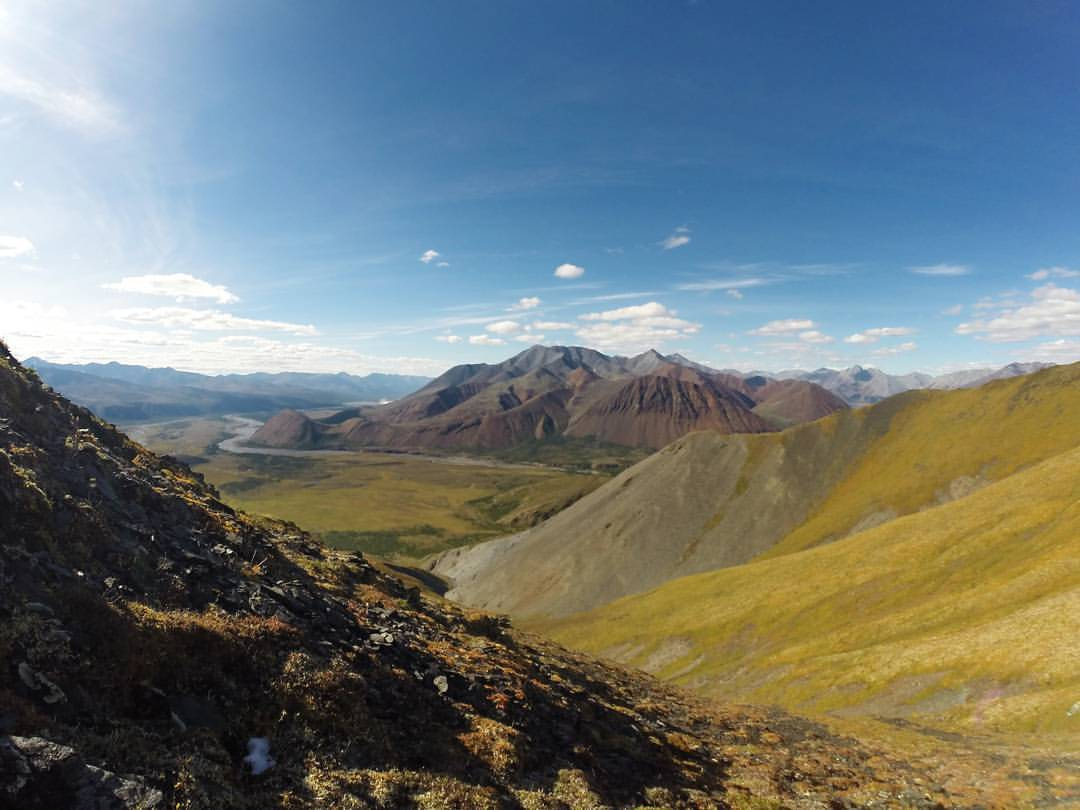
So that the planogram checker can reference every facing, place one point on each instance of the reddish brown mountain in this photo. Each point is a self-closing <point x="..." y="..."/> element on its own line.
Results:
<point x="648" y="401"/>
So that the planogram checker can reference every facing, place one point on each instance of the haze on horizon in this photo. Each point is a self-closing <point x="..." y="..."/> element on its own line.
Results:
<point x="396" y="187"/>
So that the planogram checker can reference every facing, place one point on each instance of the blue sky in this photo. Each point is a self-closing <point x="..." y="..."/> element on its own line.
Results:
<point x="393" y="186"/>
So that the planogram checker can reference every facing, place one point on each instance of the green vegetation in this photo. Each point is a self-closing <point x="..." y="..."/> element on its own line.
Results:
<point x="389" y="504"/>
<point x="574" y="454"/>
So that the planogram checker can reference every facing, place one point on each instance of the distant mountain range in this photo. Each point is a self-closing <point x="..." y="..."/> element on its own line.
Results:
<point x="865" y="386"/>
<point x="129" y="393"/>
<point x="648" y="400"/>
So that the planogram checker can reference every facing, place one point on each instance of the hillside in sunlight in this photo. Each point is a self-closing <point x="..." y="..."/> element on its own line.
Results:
<point x="966" y="615"/>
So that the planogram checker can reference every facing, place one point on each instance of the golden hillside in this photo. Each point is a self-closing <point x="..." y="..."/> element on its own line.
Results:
<point x="965" y="614"/>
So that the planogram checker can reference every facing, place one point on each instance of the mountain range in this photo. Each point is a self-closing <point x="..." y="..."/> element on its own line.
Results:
<point x="648" y="400"/>
<point x="129" y="393"/>
<point x="864" y="386"/>
<point x="164" y="650"/>
<point x="914" y="558"/>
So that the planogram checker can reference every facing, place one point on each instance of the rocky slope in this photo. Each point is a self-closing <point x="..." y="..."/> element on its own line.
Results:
<point x="160" y="649"/>
<point x="643" y="401"/>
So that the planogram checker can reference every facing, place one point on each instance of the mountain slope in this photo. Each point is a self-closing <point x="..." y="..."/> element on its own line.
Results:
<point x="154" y="633"/>
<point x="709" y="501"/>
<point x="548" y="391"/>
<point x="964" y="614"/>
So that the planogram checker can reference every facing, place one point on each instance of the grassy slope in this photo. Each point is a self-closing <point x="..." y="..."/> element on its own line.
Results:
<point x="964" y="614"/>
<point x="939" y="441"/>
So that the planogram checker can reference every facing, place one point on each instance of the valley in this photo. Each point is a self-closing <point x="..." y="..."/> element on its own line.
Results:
<point x="395" y="505"/>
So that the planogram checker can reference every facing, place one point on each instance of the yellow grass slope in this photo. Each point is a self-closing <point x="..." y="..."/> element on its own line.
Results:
<point x="941" y="445"/>
<point x="967" y="614"/>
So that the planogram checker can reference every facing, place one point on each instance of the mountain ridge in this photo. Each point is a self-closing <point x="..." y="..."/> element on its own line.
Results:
<point x="544" y="391"/>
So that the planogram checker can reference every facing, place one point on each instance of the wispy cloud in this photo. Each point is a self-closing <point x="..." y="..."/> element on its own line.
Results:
<point x="14" y="247"/>
<point x="205" y="320"/>
<point x="678" y="238"/>
<point x="486" y="340"/>
<point x="814" y="336"/>
<point x="597" y="299"/>
<point x="1053" y="272"/>
<point x="784" y="327"/>
<point x="941" y="270"/>
<point x="713" y="285"/>
<point x="428" y="256"/>
<point x="18" y="185"/>
<point x="530" y="302"/>
<point x="903" y="348"/>
<point x="874" y="335"/>
<point x="180" y="286"/>
<point x="569" y="271"/>
<point x="448" y="338"/>
<point x="732" y="292"/>
<point x="552" y="326"/>
<point x="74" y="106"/>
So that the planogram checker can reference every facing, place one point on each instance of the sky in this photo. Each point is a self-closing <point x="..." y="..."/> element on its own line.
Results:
<point x="400" y="187"/>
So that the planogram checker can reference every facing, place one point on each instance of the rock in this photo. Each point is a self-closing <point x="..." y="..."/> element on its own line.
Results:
<point x="442" y="686"/>
<point x="38" y="773"/>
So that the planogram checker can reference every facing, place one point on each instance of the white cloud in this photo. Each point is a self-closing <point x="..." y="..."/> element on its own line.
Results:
<point x="504" y="327"/>
<point x="442" y="264"/>
<point x="486" y="340"/>
<point x="953" y="310"/>
<point x="1054" y="351"/>
<point x="783" y="327"/>
<point x="526" y="303"/>
<point x="1052" y="311"/>
<point x="652" y="309"/>
<point x="635" y="328"/>
<point x="910" y="346"/>
<point x="12" y="247"/>
<point x="814" y="336"/>
<point x="569" y="271"/>
<point x="734" y="293"/>
<point x="205" y="320"/>
<point x="530" y="337"/>
<point x="941" y="270"/>
<point x="873" y="335"/>
<point x="428" y="256"/>
<point x="1053" y="272"/>
<point x="18" y="185"/>
<point x="552" y="326"/>
<point x="448" y="338"/>
<point x="180" y="286"/>
<point x="680" y="237"/>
